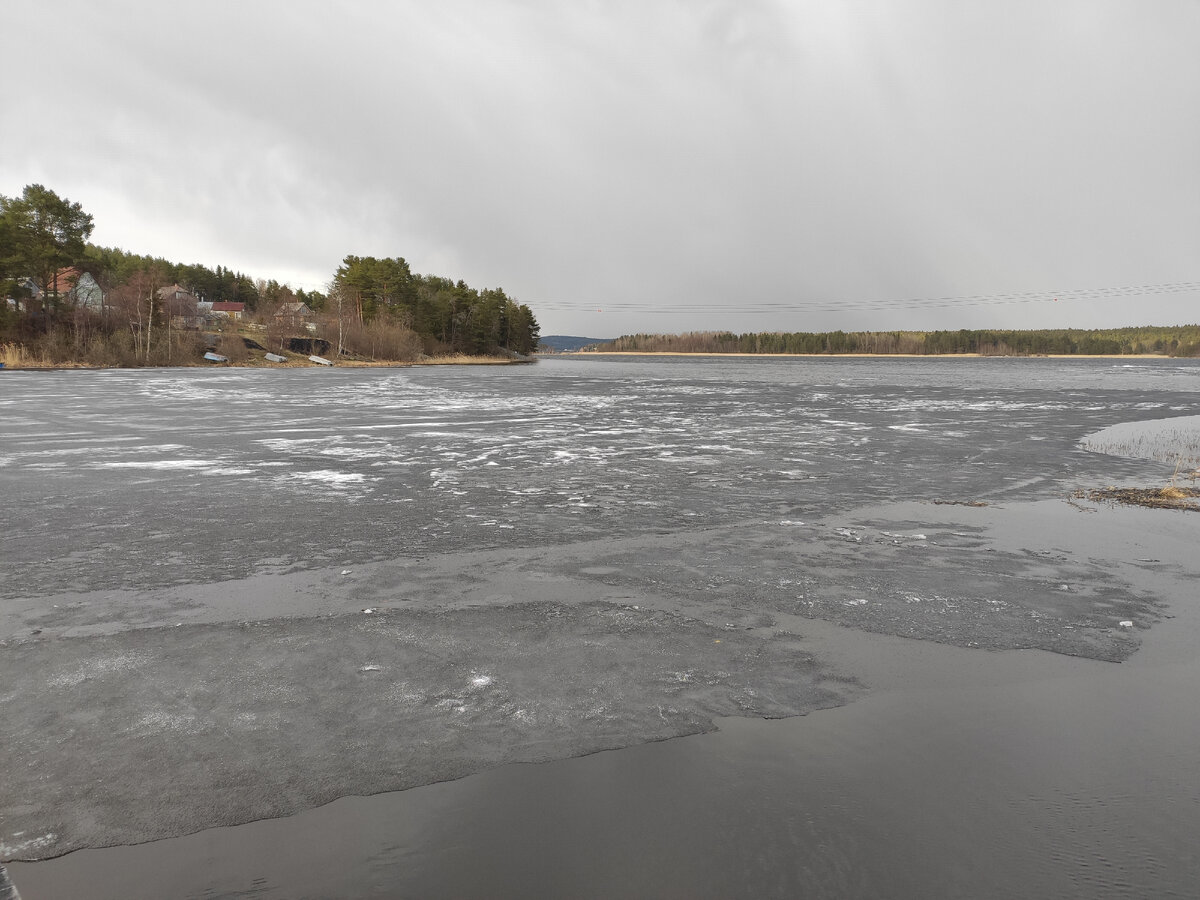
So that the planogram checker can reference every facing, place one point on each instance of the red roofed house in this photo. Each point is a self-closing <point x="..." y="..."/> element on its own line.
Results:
<point x="229" y="309"/>
<point x="74" y="286"/>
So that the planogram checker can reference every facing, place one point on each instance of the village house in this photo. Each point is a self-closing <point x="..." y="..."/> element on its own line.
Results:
<point x="71" y="285"/>
<point x="177" y="292"/>
<point x="81" y="289"/>
<point x="182" y="306"/>
<point x="229" y="309"/>
<point x="25" y="289"/>
<point x="295" y="314"/>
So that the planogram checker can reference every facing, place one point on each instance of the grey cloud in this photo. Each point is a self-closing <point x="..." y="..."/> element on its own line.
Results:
<point x="646" y="156"/>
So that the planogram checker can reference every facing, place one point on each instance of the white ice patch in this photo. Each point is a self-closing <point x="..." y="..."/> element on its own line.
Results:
<point x="21" y="848"/>
<point x="480" y="681"/>
<point x="97" y="668"/>
<point x="839" y="423"/>
<point x="161" y="464"/>
<point x="358" y="447"/>
<point x="328" y="477"/>
<point x="164" y="721"/>
<point x="729" y="448"/>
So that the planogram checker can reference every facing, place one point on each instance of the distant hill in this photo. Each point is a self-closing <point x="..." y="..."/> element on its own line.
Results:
<point x="565" y="343"/>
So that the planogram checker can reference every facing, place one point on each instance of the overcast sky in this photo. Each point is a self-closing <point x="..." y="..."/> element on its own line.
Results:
<point x="642" y="166"/>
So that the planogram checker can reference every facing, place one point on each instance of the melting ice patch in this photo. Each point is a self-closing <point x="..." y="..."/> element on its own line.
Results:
<point x="362" y="448"/>
<point x="216" y="466"/>
<point x="912" y="404"/>
<point x="19" y="848"/>
<point x="98" y="668"/>
<point x="159" y="721"/>
<point x="209" y="387"/>
<point x="163" y="464"/>
<point x="1174" y="440"/>
<point x="326" y="477"/>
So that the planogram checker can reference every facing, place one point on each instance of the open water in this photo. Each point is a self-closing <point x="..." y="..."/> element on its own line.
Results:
<point x="963" y="773"/>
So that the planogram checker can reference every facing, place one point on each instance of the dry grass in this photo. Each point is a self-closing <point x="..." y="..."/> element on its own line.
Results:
<point x="233" y="347"/>
<point x="15" y="356"/>
<point x="1169" y="497"/>
<point x="463" y="359"/>
<point x="118" y="350"/>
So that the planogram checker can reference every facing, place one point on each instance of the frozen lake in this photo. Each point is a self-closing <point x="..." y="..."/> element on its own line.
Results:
<point x="223" y="473"/>
<point x="588" y="554"/>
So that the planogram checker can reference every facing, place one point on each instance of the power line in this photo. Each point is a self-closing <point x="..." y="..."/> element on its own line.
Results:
<point x="826" y="305"/>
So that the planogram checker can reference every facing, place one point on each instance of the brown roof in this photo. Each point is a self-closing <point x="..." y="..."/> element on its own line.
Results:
<point x="228" y="306"/>
<point x="66" y="279"/>
<point x="177" y="291"/>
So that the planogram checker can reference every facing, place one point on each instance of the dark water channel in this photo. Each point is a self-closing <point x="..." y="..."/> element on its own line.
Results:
<point x="1020" y="775"/>
<point x="961" y="773"/>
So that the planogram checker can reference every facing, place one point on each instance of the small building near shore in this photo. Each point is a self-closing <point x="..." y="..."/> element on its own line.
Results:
<point x="295" y="314"/>
<point x="229" y="309"/>
<point x="182" y="305"/>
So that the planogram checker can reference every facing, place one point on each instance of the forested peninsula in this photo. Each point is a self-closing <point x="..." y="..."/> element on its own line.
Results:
<point x="67" y="302"/>
<point x="1176" y="341"/>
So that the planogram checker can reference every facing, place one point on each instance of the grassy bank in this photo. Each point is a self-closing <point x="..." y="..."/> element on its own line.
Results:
<point x="240" y="348"/>
<point x="13" y="356"/>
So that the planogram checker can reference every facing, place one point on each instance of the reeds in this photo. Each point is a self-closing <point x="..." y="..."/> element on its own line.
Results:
<point x="463" y="359"/>
<point x="15" y="356"/>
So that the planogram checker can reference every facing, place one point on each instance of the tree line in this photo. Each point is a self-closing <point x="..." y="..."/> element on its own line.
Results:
<point x="452" y="314"/>
<point x="1170" y="341"/>
<point x="371" y="306"/>
<point x="112" y="266"/>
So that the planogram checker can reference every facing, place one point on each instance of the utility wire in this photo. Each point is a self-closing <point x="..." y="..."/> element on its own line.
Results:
<point x="826" y="305"/>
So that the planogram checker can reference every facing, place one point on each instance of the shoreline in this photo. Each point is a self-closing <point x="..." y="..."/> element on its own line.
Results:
<point x="290" y="364"/>
<point x="871" y="355"/>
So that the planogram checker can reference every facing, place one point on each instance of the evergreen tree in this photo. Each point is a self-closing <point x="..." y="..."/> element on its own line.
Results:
<point x="43" y="233"/>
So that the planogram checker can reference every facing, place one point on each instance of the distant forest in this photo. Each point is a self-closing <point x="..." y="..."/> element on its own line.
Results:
<point x="374" y="307"/>
<point x="1171" y="341"/>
